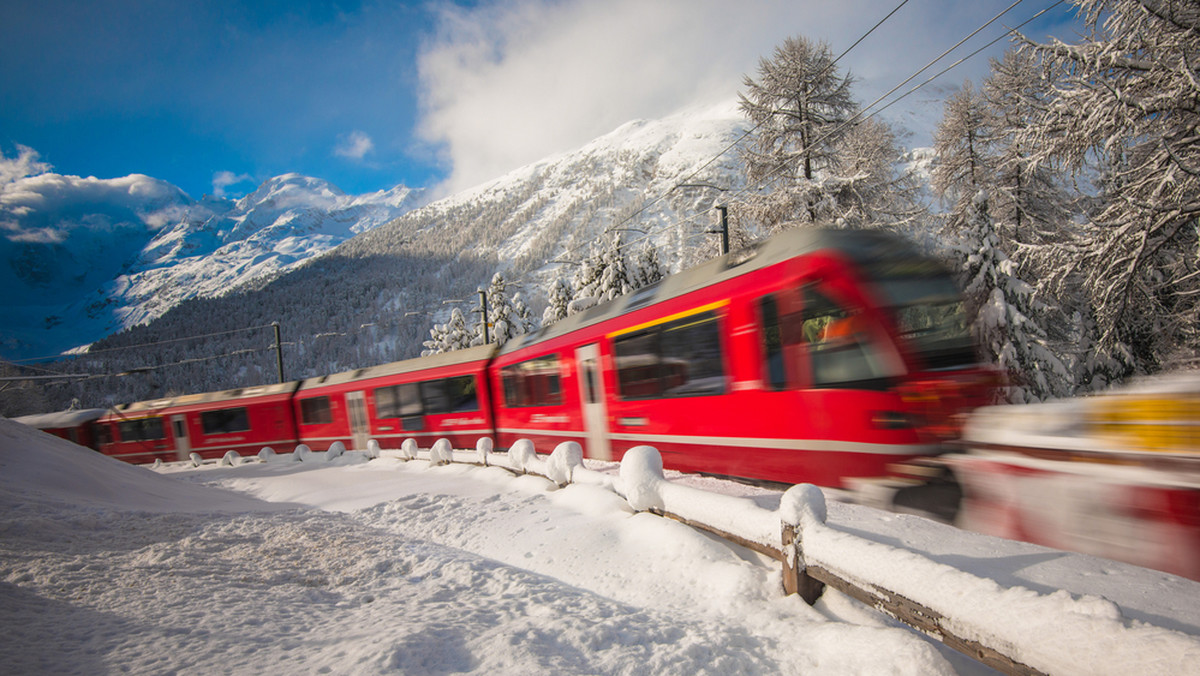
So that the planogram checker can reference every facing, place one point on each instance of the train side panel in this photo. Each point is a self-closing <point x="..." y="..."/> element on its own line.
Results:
<point x="136" y="433"/>
<point x="443" y="396"/>
<point x="796" y="370"/>
<point x="245" y="422"/>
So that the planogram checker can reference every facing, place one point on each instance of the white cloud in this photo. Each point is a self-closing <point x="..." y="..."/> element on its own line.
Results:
<point x="26" y="163"/>
<point x="51" y="208"/>
<point x="223" y="179"/>
<point x="354" y="146"/>
<point x="507" y="83"/>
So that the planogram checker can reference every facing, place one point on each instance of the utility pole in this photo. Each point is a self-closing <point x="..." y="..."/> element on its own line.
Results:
<point x="278" y="351"/>
<point x="724" y="228"/>
<point x="483" y="303"/>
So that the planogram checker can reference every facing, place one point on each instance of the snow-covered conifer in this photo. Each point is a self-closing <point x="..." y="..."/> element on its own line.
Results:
<point x="1126" y="95"/>
<point x="560" y="297"/>
<point x="815" y="160"/>
<point x="1003" y="307"/>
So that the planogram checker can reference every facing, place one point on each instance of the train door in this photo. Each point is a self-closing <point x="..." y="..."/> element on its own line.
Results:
<point x="183" y="445"/>
<point x="591" y="394"/>
<point x="359" y="429"/>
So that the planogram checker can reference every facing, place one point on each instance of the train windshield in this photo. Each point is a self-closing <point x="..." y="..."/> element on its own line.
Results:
<point x="928" y="311"/>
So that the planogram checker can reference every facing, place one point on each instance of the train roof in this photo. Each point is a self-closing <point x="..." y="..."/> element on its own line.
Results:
<point x="57" y="419"/>
<point x="151" y="405"/>
<point x="479" y="353"/>
<point x="858" y="245"/>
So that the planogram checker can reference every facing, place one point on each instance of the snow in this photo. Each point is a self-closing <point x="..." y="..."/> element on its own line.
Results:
<point x="357" y="565"/>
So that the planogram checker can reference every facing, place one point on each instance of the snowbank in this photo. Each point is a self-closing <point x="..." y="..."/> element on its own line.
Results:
<point x="40" y="467"/>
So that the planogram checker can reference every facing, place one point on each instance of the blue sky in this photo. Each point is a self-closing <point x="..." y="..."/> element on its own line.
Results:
<point x="216" y="97"/>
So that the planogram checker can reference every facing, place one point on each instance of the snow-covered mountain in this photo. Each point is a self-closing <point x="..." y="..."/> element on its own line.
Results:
<point x="374" y="297"/>
<point x="86" y="257"/>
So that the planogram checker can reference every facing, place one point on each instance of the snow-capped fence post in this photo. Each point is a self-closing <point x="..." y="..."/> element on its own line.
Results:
<point x="521" y="455"/>
<point x="408" y="449"/>
<point x="563" y="460"/>
<point x="442" y="453"/>
<point x="483" y="449"/>
<point x="800" y="504"/>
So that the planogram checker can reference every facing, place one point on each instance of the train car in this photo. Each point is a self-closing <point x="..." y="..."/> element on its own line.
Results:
<point x="75" y="425"/>
<point x="426" y="399"/>
<point x="243" y="420"/>
<point x="1116" y="474"/>
<point x="137" y="433"/>
<point x="210" y="424"/>
<point x="817" y="356"/>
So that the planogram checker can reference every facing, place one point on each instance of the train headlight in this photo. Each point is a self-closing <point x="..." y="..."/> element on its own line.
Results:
<point x="893" y="420"/>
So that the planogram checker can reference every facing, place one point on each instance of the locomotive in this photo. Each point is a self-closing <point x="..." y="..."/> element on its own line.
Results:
<point x="818" y="356"/>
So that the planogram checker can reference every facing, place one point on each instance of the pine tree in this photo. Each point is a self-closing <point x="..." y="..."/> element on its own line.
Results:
<point x="560" y="297"/>
<point x="1031" y="202"/>
<point x="817" y="162"/>
<point x="1126" y="95"/>
<point x="507" y="314"/>
<point x="1002" y="306"/>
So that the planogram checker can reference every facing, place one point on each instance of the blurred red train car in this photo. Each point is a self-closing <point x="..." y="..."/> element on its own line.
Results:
<point x="209" y="424"/>
<point x="816" y="357"/>
<point x="425" y="399"/>
<point x="137" y="433"/>
<point x="74" y="425"/>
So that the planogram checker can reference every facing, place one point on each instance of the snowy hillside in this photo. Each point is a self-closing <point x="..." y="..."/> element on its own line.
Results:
<point x="360" y="566"/>
<point x="373" y="298"/>
<point x="86" y="256"/>
<point x="288" y="219"/>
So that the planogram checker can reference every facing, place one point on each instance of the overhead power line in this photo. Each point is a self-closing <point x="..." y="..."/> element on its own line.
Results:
<point x="139" y="345"/>
<point x="853" y="120"/>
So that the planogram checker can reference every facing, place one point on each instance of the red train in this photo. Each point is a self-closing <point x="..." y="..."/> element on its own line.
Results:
<point x="817" y="356"/>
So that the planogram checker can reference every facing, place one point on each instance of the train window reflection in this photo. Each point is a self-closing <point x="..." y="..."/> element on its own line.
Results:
<point x="450" y="395"/>
<point x="841" y="348"/>
<point x="929" y="314"/>
<point x="142" y="429"/>
<point x="225" y="421"/>
<point x="398" y="401"/>
<point x="678" y="359"/>
<point x="637" y="365"/>
<point x="461" y="394"/>
<point x="533" y="382"/>
<point x="315" y="411"/>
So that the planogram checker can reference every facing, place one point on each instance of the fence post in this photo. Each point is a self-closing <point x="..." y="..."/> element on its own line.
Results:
<point x="796" y="579"/>
<point x="800" y="504"/>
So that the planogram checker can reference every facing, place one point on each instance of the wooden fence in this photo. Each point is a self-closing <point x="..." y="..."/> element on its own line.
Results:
<point x="796" y="535"/>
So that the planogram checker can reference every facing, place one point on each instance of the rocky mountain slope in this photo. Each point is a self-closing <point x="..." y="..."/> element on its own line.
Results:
<point x="373" y="298"/>
<point x="85" y="257"/>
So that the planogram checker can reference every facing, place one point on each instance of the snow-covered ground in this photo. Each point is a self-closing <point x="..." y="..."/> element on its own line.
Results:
<point x="386" y="566"/>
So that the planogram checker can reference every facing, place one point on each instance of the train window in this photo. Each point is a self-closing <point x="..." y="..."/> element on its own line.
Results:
<point x="637" y="365"/>
<point x="315" y="411"/>
<point x="842" y="350"/>
<point x="142" y="429"/>
<point x="691" y="357"/>
<point x="433" y="396"/>
<point x="398" y="401"/>
<point x="103" y="434"/>
<point x="450" y="395"/>
<point x="461" y="394"/>
<point x="533" y="382"/>
<point x="772" y="343"/>
<point x="225" y="421"/>
<point x="679" y="359"/>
